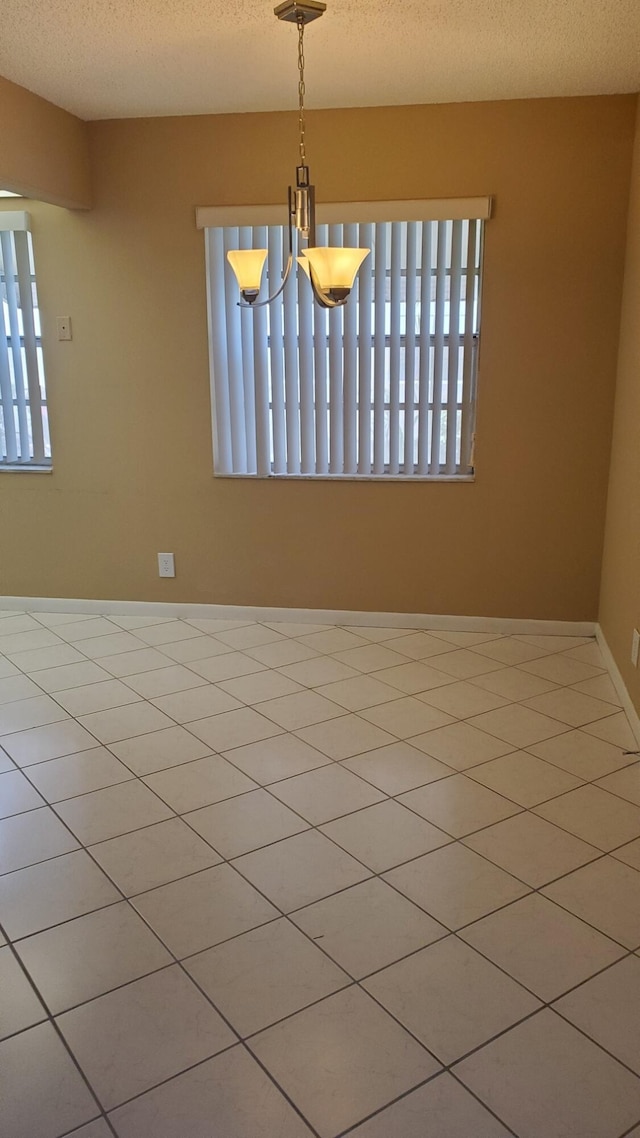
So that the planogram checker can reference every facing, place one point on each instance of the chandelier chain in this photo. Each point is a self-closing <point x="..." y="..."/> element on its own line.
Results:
<point x="301" y="89"/>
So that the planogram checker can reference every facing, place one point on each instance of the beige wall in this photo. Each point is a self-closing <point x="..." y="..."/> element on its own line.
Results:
<point x="620" y="599"/>
<point x="44" y="151"/>
<point x="130" y="394"/>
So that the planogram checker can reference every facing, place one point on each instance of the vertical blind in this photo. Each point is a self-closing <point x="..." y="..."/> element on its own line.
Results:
<point x="384" y="386"/>
<point x="24" y="428"/>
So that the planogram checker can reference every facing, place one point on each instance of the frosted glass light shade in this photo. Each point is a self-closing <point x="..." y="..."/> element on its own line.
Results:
<point x="247" y="265"/>
<point x="335" y="268"/>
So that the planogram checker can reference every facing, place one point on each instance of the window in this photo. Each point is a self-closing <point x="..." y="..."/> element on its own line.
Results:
<point x="24" y="425"/>
<point x="382" y="388"/>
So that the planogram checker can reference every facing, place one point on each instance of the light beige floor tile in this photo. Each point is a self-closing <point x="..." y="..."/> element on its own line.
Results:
<point x="600" y="687"/>
<point x="19" y="622"/>
<point x="365" y="1057"/>
<point x="29" y="838"/>
<point x="376" y="633"/>
<point x="385" y="835"/>
<point x="281" y="757"/>
<point x="300" y="870"/>
<point x="41" y="1090"/>
<point x="560" y="669"/>
<point x="464" y="664"/>
<point x="195" y="650"/>
<point x="110" y="645"/>
<point x="211" y="625"/>
<point x="130" y="623"/>
<point x="333" y="640"/>
<point x="114" y="810"/>
<point x="588" y="653"/>
<point x="231" y="1088"/>
<point x="417" y="645"/>
<point x="48" y="742"/>
<point x="414" y="677"/>
<point x="264" y="975"/>
<point x="7" y="668"/>
<point x="542" y="946"/>
<point x="607" y="895"/>
<point x="96" y="697"/>
<point x="301" y="710"/>
<point x="458" y="805"/>
<point x="513" y="684"/>
<point x="198" y="703"/>
<point x="455" y="885"/>
<point x="168" y="633"/>
<point x="368" y="927"/>
<point x="17" y="687"/>
<point x="445" y="1108"/>
<point x="129" y="1040"/>
<point x="159" y="750"/>
<point x="293" y="628"/>
<point x="225" y="666"/>
<point x="51" y="619"/>
<point x="260" y="686"/>
<point x="461" y="746"/>
<point x="317" y="671"/>
<point x="397" y="768"/>
<point x="248" y="636"/>
<point x="200" y="783"/>
<point x="6" y="764"/>
<point x="77" y="630"/>
<point x="450" y="997"/>
<point x="20" y="1006"/>
<point x="545" y="1080"/>
<point x="594" y="815"/>
<point x="124" y="722"/>
<point x="326" y="793"/>
<point x="52" y="891"/>
<point x="607" y="1008"/>
<point x="406" y="717"/>
<point x="18" y="642"/>
<point x="518" y="725"/>
<point x="91" y="955"/>
<point x="164" y="681"/>
<point x="133" y="663"/>
<point x="358" y="693"/>
<point x="39" y="658"/>
<point x="282" y="653"/>
<point x="524" y="778"/>
<point x="509" y="650"/>
<point x="582" y="754"/>
<point x="246" y="823"/>
<point x="203" y="910"/>
<point x="630" y="854"/>
<point x="154" y="856"/>
<point x="464" y="639"/>
<point x="17" y="794"/>
<point x="462" y="699"/>
<point x="234" y="729"/>
<point x="26" y="713"/>
<point x="370" y="658"/>
<point x="63" y="778"/>
<point x="531" y="848"/>
<point x="614" y="729"/>
<point x="69" y="676"/>
<point x="345" y="737"/>
<point x="572" y="707"/>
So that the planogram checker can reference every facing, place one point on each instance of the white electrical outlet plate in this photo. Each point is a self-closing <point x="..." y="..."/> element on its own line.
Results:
<point x="64" y="327"/>
<point x="166" y="565"/>
<point x="635" y="647"/>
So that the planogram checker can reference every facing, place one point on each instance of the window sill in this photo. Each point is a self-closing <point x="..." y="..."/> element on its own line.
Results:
<point x="24" y="468"/>
<point x="407" y="478"/>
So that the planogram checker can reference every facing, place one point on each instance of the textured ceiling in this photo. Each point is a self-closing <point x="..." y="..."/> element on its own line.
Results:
<point x="123" y="58"/>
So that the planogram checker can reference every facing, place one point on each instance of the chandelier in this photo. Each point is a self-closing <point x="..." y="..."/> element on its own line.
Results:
<point x="331" y="270"/>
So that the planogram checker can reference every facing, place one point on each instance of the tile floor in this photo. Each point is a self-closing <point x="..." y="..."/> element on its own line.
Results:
<point x="281" y="880"/>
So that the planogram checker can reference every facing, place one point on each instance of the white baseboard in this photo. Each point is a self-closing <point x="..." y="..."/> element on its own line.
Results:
<point x="619" y="684"/>
<point x="506" y="626"/>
